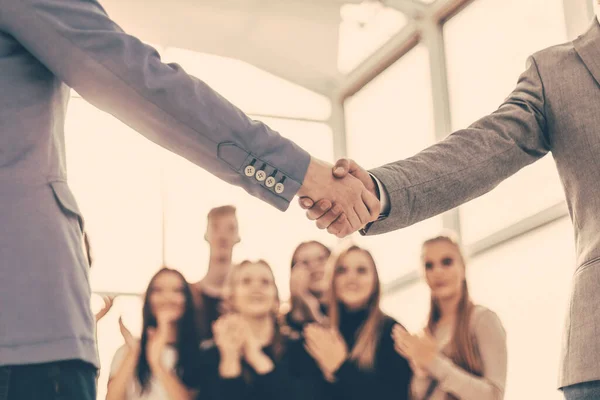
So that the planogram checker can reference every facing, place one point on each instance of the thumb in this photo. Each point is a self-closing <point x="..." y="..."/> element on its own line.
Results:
<point x="341" y="168"/>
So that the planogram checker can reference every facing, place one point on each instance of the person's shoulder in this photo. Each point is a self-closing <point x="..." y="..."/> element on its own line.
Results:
<point x="561" y="54"/>
<point x="484" y="319"/>
<point x="388" y="323"/>
<point x="118" y="358"/>
<point x="122" y="351"/>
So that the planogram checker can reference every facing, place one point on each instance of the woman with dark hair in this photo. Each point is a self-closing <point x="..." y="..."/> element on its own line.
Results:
<point x="461" y="354"/>
<point x="355" y="352"/>
<point x="164" y="364"/>
<point x="308" y="285"/>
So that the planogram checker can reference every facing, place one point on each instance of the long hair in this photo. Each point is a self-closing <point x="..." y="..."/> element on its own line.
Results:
<point x="188" y="351"/>
<point x="277" y="346"/>
<point x="297" y="304"/>
<point x="303" y="245"/>
<point x="363" y="352"/>
<point x="462" y="348"/>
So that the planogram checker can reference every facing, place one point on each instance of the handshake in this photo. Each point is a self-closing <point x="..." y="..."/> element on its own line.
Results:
<point x="342" y="198"/>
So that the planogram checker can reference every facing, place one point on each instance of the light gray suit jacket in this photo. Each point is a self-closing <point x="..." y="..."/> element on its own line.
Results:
<point x="47" y="46"/>
<point x="555" y="107"/>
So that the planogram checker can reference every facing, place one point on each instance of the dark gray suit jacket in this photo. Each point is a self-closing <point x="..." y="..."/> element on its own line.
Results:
<point x="555" y="107"/>
<point x="46" y="47"/>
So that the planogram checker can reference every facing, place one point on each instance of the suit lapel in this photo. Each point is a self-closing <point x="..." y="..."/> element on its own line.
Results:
<point x="588" y="48"/>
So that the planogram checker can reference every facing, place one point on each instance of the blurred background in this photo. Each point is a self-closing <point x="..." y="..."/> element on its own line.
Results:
<point x="376" y="81"/>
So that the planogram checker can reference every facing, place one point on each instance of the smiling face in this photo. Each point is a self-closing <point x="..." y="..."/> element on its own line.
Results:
<point x="166" y="296"/>
<point x="253" y="292"/>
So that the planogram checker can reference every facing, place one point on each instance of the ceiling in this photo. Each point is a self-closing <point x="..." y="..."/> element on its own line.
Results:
<point x="298" y="40"/>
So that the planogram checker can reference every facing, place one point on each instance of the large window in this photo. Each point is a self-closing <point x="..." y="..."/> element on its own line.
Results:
<point x="364" y="28"/>
<point x="485" y="57"/>
<point x="388" y="120"/>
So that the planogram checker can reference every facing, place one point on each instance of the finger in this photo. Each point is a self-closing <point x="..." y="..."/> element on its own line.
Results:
<point x="314" y="346"/>
<point x="362" y="212"/>
<point x="354" y="219"/>
<point x="340" y="227"/>
<point x="310" y="352"/>
<point x="330" y="216"/>
<point x="398" y="331"/>
<point x="402" y="333"/>
<point x="401" y="351"/>
<point x="320" y="208"/>
<point x="402" y="341"/>
<point x="341" y="167"/>
<point x="372" y="203"/>
<point x="306" y="203"/>
<point x="402" y="348"/>
<point x="397" y="336"/>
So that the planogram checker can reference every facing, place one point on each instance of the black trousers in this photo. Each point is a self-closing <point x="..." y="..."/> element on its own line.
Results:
<point x="61" y="380"/>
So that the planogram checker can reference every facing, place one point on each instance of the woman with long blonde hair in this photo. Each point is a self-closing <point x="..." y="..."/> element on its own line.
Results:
<point x="356" y="352"/>
<point x="461" y="353"/>
<point x="247" y="358"/>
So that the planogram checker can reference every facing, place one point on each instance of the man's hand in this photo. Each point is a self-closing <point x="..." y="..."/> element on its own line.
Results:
<point x="333" y="218"/>
<point x="342" y="198"/>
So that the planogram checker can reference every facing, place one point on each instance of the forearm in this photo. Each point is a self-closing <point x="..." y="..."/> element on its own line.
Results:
<point x="469" y="162"/>
<point x="119" y="74"/>
<point x="119" y="383"/>
<point x="230" y="367"/>
<point x="462" y="384"/>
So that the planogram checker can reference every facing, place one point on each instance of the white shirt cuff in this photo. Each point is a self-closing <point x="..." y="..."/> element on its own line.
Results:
<point x="384" y="197"/>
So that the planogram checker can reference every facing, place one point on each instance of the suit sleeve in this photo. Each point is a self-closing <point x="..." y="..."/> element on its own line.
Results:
<point x="469" y="162"/>
<point x="116" y="72"/>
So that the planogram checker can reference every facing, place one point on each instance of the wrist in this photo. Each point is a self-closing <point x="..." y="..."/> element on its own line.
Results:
<point x="335" y="367"/>
<point x="230" y="356"/>
<point x="230" y="367"/>
<point x="260" y="362"/>
<point x="155" y="367"/>
<point x="309" y="178"/>
<point x="253" y="353"/>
